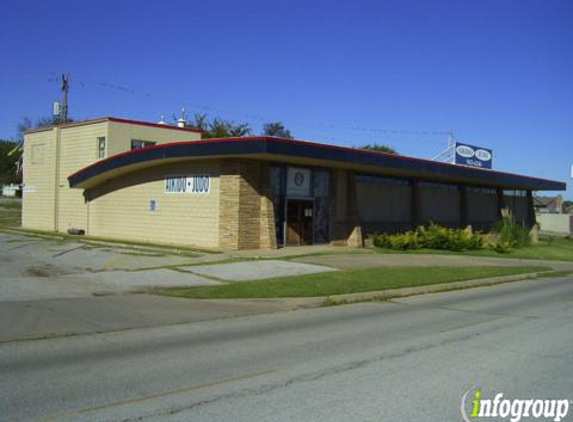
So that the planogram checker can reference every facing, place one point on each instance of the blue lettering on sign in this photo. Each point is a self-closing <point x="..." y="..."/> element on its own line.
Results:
<point x="470" y="155"/>
<point x="193" y="184"/>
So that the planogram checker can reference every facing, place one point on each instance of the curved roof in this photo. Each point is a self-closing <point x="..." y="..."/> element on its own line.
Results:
<point x="303" y="153"/>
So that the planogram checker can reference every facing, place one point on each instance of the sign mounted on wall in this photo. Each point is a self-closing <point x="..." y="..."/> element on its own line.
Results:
<point x="192" y="184"/>
<point x="298" y="182"/>
<point x="470" y="155"/>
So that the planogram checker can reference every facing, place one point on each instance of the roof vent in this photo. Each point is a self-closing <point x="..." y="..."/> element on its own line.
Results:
<point x="182" y="120"/>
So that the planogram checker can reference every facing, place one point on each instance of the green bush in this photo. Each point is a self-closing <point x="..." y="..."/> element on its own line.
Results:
<point x="402" y="241"/>
<point x="511" y="233"/>
<point x="501" y="247"/>
<point x="432" y="237"/>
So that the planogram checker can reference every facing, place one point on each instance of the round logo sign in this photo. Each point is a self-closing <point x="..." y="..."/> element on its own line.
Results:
<point x="298" y="179"/>
<point x="483" y="155"/>
<point x="465" y="151"/>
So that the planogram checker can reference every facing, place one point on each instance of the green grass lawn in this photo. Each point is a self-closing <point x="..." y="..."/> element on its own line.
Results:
<point x="351" y="281"/>
<point x="10" y="214"/>
<point x="559" y="249"/>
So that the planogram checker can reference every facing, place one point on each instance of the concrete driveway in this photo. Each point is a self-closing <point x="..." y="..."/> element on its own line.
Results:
<point x="35" y="268"/>
<point x="51" y="288"/>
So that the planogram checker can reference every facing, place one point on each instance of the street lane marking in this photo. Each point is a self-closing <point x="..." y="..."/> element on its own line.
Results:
<point x="92" y="409"/>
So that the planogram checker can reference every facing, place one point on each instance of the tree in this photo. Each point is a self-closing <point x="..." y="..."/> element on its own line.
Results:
<point x="27" y="124"/>
<point x="276" y="129"/>
<point x="218" y="128"/>
<point x="379" y="148"/>
<point x="11" y="152"/>
<point x="8" y="162"/>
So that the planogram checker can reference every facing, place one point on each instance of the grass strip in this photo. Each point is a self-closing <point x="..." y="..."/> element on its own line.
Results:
<point x="351" y="281"/>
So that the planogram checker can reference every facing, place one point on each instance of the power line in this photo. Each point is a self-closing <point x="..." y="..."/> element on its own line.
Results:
<point x="320" y="127"/>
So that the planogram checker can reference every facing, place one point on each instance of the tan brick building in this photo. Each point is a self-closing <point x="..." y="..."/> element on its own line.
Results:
<point x="122" y="179"/>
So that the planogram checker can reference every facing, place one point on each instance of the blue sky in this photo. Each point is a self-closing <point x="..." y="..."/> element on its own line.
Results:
<point x="498" y="73"/>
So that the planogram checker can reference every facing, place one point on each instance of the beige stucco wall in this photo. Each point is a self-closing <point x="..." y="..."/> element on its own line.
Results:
<point x="121" y="134"/>
<point x="39" y="179"/>
<point x="78" y="149"/>
<point x="119" y="208"/>
<point x="557" y="223"/>
<point x="49" y="203"/>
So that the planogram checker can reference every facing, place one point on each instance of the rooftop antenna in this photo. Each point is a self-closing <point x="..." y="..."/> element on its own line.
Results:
<point x="448" y="155"/>
<point x="64" y="88"/>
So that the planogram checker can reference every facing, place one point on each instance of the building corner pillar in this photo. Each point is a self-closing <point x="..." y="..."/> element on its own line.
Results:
<point x="355" y="238"/>
<point x="464" y="211"/>
<point x="531" y="218"/>
<point x="500" y="202"/>
<point x="415" y="204"/>
<point x="268" y="236"/>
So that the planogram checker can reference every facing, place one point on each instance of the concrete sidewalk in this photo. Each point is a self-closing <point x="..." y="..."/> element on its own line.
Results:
<point x="256" y="270"/>
<point x="372" y="260"/>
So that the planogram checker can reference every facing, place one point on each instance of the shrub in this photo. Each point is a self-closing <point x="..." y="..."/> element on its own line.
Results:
<point x="516" y="235"/>
<point x="381" y="240"/>
<point x="501" y="247"/>
<point x="432" y="237"/>
<point x="408" y="240"/>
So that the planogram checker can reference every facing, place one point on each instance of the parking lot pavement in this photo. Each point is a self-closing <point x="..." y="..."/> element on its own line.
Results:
<point x="76" y="257"/>
<point x="95" y="284"/>
<point x="58" y="288"/>
<point x="33" y="268"/>
<point x="256" y="270"/>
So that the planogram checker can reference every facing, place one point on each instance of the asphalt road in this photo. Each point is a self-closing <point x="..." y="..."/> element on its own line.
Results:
<point x="408" y="360"/>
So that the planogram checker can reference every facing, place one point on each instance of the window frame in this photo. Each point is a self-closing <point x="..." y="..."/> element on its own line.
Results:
<point x="101" y="153"/>
<point x="144" y="143"/>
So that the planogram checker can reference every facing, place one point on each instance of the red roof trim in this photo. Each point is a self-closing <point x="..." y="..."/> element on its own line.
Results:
<point x="296" y="141"/>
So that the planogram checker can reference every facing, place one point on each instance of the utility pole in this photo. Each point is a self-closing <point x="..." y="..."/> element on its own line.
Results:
<point x="65" y="86"/>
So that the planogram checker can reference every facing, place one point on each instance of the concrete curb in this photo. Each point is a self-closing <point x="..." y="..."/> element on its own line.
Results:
<point x="432" y="288"/>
